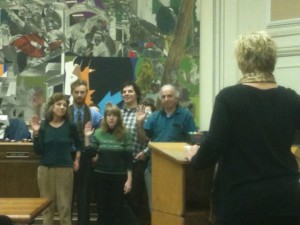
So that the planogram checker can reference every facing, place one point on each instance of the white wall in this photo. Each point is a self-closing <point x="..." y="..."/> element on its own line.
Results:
<point x="221" y="22"/>
<point x="287" y="35"/>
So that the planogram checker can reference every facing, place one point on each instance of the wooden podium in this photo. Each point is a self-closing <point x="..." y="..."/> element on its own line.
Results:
<point x="180" y="194"/>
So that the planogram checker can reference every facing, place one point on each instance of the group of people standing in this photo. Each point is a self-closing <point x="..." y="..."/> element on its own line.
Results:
<point x="250" y="136"/>
<point x="78" y="158"/>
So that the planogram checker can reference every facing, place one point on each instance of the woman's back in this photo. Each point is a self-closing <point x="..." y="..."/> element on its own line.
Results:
<point x="250" y="136"/>
<point x="256" y="165"/>
<point x="262" y="128"/>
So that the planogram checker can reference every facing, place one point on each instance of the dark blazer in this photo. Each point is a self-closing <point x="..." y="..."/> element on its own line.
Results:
<point x="87" y="113"/>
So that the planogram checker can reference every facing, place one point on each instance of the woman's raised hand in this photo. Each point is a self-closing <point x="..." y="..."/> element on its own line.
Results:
<point x="35" y="124"/>
<point x="88" y="129"/>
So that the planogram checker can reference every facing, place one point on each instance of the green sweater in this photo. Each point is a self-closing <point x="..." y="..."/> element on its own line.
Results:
<point x="114" y="157"/>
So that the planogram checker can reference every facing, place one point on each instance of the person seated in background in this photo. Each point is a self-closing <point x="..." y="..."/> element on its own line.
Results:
<point x="17" y="128"/>
<point x="149" y="104"/>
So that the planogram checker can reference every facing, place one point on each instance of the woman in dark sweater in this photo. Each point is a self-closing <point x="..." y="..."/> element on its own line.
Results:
<point x="54" y="140"/>
<point x="250" y="136"/>
<point x="113" y="170"/>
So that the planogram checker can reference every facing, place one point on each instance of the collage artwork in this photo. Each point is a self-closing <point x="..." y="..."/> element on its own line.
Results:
<point x="47" y="44"/>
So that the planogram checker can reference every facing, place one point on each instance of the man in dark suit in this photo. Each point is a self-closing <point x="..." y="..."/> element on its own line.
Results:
<point x="80" y="114"/>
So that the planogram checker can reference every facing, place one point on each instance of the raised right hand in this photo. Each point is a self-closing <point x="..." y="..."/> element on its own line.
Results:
<point x="88" y="129"/>
<point x="35" y="124"/>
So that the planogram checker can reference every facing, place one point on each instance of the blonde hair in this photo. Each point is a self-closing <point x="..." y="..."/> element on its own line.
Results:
<point x="256" y="53"/>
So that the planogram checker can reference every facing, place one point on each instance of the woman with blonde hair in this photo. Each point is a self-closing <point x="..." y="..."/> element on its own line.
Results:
<point x="250" y="137"/>
<point x="112" y="142"/>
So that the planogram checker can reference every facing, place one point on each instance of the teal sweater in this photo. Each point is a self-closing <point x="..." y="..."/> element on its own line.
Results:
<point x="56" y="144"/>
<point x="114" y="157"/>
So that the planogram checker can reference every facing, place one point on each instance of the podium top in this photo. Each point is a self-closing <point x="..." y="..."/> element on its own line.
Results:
<point x="176" y="150"/>
<point x="173" y="150"/>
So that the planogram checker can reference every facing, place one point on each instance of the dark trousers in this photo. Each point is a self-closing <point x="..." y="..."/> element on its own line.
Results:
<point x="82" y="189"/>
<point x="109" y="192"/>
<point x="136" y="205"/>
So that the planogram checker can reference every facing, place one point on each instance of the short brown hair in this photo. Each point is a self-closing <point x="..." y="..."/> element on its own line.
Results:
<point x="51" y="101"/>
<point x="77" y="83"/>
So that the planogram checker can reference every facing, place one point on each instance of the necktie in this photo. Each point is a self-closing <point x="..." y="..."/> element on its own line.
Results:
<point x="79" y="123"/>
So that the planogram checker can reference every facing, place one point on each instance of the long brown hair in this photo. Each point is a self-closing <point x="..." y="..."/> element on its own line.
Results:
<point x="119" y="130"/>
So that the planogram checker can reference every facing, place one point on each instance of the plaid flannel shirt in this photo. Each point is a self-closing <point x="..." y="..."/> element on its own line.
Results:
<point x="129" y="120"/>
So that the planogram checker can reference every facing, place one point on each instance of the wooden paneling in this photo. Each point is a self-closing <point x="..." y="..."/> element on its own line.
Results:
<point x="161" y="195"/>
<point x="285" y="9"/>
<point x="18" y="169"/>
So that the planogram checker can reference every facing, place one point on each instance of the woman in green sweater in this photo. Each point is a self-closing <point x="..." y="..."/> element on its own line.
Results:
<point x="113" y="170"/>
<point x="54" y="140"/>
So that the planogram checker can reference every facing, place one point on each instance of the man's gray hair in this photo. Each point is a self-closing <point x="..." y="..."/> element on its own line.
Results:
<point x="172" y="87"/>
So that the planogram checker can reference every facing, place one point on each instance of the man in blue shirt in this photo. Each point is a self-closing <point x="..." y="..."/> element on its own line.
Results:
<point x="96" y="116"/>
<point x="170" y="124"/>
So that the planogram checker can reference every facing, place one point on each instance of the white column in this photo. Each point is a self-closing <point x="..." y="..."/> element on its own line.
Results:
<point x="221" y="21"/>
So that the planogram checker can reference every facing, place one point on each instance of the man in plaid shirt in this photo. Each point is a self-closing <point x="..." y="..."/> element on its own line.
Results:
<point x="133" y="118"/>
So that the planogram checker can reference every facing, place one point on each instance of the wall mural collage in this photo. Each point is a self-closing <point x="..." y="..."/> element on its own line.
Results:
<point x="47" y="44"/>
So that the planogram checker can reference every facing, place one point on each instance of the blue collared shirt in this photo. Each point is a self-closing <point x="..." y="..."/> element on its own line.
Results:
<point x="96" y="118"/>
<point x="175" y="128"/>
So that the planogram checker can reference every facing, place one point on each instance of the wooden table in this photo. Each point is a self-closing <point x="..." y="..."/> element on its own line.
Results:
<point x="23" y="210"/>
